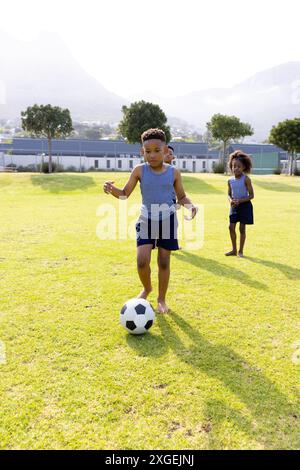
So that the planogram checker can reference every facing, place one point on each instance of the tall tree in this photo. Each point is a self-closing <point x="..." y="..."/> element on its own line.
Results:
<point x="139" y="117"/>
<point x="287" y="136"/>
<point x="226" y="128"/>
<point x="47" y="121"/>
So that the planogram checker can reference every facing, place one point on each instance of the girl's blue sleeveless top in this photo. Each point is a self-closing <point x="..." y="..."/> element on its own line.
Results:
<point x="157" y="191"/>
<point x="238" y="187"/>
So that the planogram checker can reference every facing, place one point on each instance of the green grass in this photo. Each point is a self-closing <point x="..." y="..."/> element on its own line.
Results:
<point x="215" y="373"/>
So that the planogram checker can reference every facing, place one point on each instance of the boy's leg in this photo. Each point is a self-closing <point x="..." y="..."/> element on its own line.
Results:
<point x="242" y="238"/>
<point x="233" y="240"/>
<point x="163" y="261"/>
<point x="143" y="265"/>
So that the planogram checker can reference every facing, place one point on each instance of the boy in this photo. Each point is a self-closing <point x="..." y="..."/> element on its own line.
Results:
<point x="157" y="225"/>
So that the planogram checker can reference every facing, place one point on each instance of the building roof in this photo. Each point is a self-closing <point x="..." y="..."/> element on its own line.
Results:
<point x="111" y="148"/>
<point x="255" y="148"/>
<point x="91" y="148"/>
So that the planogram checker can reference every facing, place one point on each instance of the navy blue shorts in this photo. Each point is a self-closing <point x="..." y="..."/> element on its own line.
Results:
<point x="160" y="233"/>
<point x="242" y="213"/>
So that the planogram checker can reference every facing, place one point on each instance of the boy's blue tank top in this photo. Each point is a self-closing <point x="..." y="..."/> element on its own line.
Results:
<point x="238" y="187"/>
<point x="157" y="191"/>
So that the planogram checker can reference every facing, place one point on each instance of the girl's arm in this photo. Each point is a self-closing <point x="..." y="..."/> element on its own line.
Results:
<point x="250" y="191"/>
<point x="182" y="199"/>
<point x="135" y="176"/>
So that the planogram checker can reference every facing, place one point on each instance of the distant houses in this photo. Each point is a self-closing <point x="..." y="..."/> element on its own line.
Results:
<point x="105" y="155"/>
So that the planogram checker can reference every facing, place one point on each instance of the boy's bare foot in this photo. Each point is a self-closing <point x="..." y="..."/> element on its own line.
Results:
<point x="162" y="306"/>
<point x="231" y="253"/>
<point x="240" y="254"/>
<point x="144" y="294"/>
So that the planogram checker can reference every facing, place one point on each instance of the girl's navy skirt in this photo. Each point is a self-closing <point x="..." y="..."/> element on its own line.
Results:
<point x="242" y="213"/>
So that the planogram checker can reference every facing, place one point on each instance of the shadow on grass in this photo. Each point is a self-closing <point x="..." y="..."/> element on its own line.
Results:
<point x="198" y="186"/>
<point x="265" y="402"/>
<point x="148" y="345"/>
<point x="219" y="269"/>
<point x="61" y="182"/>
<point x="217" y="412"/>
<point x="280" y="187"/>
<point x="288" y="271"/>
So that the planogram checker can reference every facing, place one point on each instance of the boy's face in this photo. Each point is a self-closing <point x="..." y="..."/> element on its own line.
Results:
<point x="169" y="156"/>
<point x="154" y="152"/>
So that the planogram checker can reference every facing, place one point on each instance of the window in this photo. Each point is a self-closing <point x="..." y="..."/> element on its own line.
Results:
<point x="130" y="164"/>
<point x="184" y="165"/>
<point x="107" y="164"/>
<point x="96" y="163"/>
<point x="204" y="165"/>
<point x="119" y="163"/>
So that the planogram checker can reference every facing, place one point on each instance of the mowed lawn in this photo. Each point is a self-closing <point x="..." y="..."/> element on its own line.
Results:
<point x="220" y="371"/>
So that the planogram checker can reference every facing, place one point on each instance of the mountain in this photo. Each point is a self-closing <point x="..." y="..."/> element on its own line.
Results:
<point x="44" y="71"/>
<point x="263" y="100"/>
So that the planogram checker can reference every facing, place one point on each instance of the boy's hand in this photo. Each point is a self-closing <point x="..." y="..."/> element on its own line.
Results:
<point x="235" y="202"/>
<point x="194" y="210"/>
<point x="108" y="186"/>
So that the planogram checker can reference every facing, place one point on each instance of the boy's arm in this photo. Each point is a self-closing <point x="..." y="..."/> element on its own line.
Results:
<point x="250" y="191"/>
<point x="135" y="176"/>
<point x="182" y="198"/>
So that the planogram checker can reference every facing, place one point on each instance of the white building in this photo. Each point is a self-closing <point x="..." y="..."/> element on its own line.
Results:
<point x="101" y="155"/>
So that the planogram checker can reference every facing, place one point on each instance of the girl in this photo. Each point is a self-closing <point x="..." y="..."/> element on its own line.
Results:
<point x="240" y="193"/>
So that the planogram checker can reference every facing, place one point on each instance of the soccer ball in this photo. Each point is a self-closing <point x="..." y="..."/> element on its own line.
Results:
<point x="137" y="316"/>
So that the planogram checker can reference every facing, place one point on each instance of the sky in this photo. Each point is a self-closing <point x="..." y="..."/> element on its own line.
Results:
<point x="167" y="47"/>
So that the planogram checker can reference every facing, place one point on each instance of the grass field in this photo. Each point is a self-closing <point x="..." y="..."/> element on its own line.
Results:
<point x="220" y="371"/>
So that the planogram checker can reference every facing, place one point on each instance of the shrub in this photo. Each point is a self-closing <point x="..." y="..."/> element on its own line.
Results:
<point x="297" y="172"/>
<point x="11" y="165"/>
<point x="277" y="171"/>
<point x="71" y="169"/>
<point x="29" y="168"/>
<point x="55" y="167"/>
<point x="219" y="168"/>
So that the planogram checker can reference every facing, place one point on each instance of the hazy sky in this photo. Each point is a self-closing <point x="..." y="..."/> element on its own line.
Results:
<point x="169" y="47"/>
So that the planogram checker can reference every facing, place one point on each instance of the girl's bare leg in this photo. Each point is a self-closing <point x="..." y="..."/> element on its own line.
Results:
<point x="233" y="240"/>
<point x="242" y="239"/>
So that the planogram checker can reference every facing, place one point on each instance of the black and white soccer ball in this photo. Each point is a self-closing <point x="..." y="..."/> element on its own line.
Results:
<point x="137" y="316"/>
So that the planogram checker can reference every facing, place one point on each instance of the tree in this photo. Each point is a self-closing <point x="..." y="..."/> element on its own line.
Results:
<point x="287" y="136"/>
<point x="139" y="117"/>
<point x="47" y="121"/>
<point x="225" y="128"/>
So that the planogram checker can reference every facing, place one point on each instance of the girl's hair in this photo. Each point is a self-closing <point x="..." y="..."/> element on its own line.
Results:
<point x="243" y="158"/>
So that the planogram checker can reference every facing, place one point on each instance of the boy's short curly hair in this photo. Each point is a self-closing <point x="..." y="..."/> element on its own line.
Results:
<point x="244" y="158"/>
<point x="153" y="134"/>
